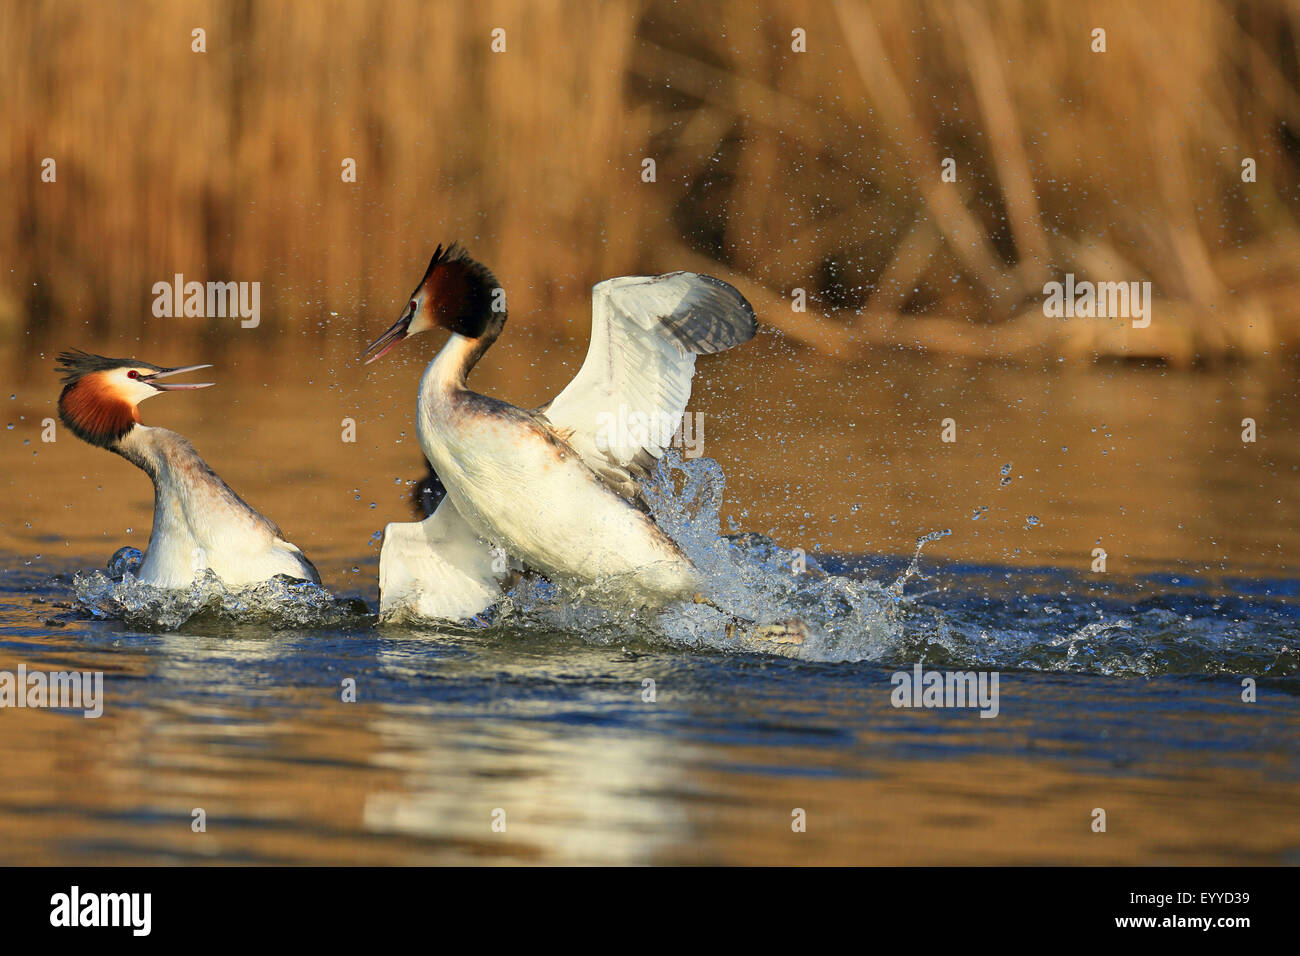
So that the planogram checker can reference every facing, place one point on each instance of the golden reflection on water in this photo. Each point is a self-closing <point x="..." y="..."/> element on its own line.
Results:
<point x="378" y="783"/>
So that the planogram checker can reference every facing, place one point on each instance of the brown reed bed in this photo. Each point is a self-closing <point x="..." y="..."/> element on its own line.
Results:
<point x="779" y="170"/>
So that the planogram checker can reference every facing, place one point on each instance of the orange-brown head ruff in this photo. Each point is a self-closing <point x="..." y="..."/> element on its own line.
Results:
<point x="101" y="396"/>
<point x="457" y="293"/>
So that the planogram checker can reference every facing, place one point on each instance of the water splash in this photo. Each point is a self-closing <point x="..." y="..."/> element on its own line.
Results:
<point x="124" y="560"/>
<point x="972" y="618"/>
<point x="996" y="619"/>
<point x="279" y="603"/>
<point x="896" y="589"/>
<point x="748" y="577"/>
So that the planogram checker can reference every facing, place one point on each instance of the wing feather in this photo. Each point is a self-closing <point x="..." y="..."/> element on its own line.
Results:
<point x="627" y="400"/>
<point x="436" y="568"/>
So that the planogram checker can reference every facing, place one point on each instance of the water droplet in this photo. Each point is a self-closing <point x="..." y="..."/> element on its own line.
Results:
<point x="124" y="560"/>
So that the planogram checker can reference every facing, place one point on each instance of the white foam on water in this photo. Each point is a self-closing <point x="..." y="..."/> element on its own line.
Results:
<point x="282" y="602"/>
<point x="752" y="581"/>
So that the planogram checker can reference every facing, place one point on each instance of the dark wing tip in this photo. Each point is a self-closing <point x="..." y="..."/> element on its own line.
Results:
<point x="712" y="317"/>
<point x="428" y="493"/>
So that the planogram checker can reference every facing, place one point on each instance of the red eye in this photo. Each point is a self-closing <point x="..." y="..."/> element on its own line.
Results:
<point x="133" y="374"/>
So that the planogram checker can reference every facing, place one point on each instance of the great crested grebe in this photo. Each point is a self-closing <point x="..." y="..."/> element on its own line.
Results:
<point x="555" y="489"/>
<point x="198" y="522"/>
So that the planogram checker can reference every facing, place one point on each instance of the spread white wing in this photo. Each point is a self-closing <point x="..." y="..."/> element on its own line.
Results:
<point x="621" y="409"/>
<point x="436" y="568"/>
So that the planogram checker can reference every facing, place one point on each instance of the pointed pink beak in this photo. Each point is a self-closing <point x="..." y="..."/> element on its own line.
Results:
<point x="177" y="386"/>
<point x="386" y="342"/>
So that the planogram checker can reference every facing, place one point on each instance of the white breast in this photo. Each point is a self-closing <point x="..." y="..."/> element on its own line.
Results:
<point x="546" y="508"/>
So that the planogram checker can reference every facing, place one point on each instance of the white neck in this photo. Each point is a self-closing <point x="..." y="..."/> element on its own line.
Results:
<point x="440" y="410"/>
<point x="450" y="367"/>
<point x="146" y="448"/>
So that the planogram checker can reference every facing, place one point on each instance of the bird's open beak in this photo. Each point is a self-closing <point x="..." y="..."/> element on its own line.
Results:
<point x="175" y="387"/>
<point x="390" y="338"/>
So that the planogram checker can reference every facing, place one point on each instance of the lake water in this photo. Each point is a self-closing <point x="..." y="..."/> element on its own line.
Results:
<point x="1119" y="690"/>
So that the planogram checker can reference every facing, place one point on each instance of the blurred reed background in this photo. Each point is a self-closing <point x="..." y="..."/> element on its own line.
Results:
<point x="775" y="169"/>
